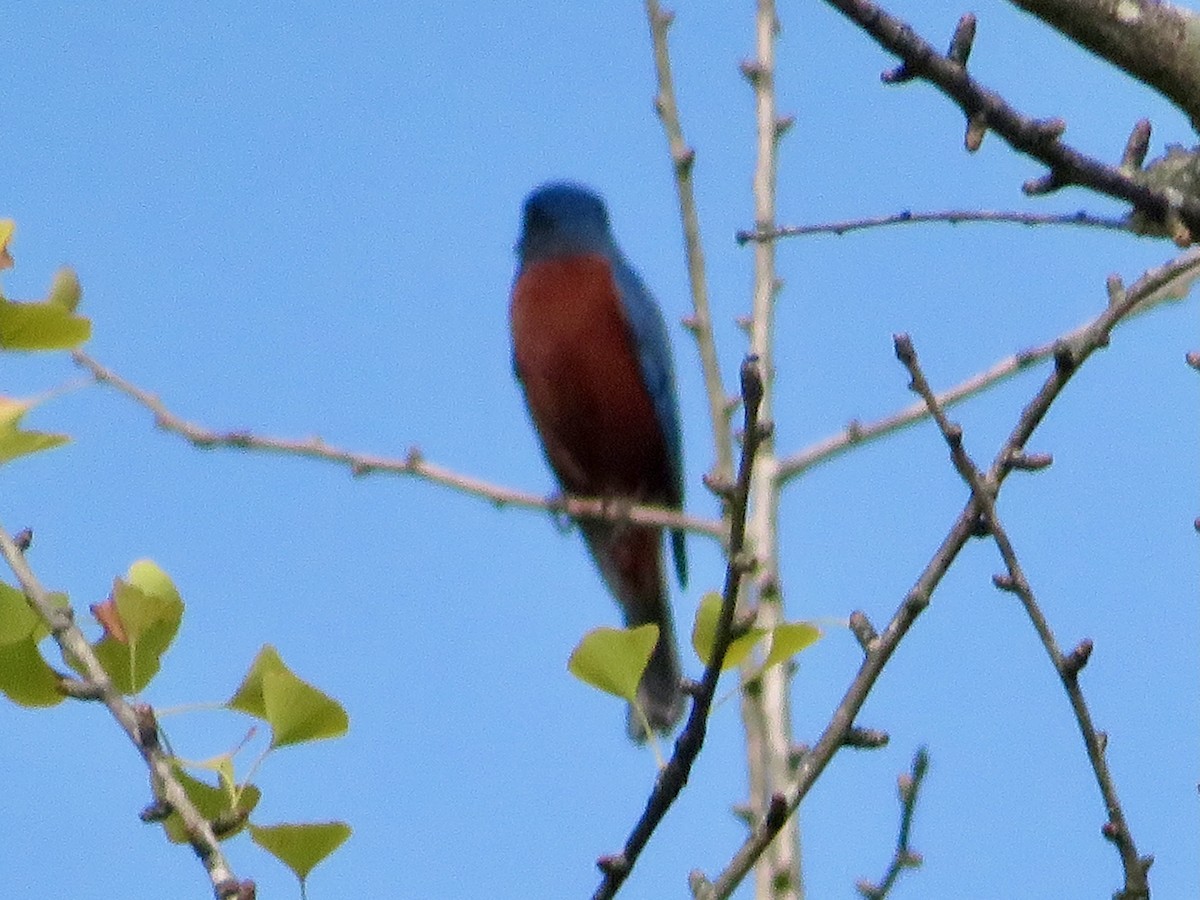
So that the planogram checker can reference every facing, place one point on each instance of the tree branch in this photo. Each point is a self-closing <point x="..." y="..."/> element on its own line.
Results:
<point x="879" y="649"/>
<point x="983" y="490"/>
<point x="1157" y="43"/>
<point x="674" y="776"/>
<point x="904" y="857"/>
<point x="949" y="216"/>
<point x="683" y="160"/>
<point x="137" y="722"/>
<point x="413" y="464"/>
<point x="766" y="696"/>
<point x="857" y="432"/>
<point x="986" y="110"/>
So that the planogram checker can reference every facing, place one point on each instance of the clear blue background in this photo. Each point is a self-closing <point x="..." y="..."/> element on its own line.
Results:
<point x="298" y="219"/>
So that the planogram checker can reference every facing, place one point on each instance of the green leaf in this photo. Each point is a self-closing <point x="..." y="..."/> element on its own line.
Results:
<point x="789" y="639"/>
<point x="17" y="621"/>
<point x="295" y="710"/>
<point x="704" y="635"/>
<point x="150" y="609"/>
<point x="7" y="227"/>
<point x="301" y="847"/>
<point x="41" y="326"/>
<point x="220" y="803"/>
<point x="25" y="677"/>
<point x="613" y="659"/>
<point x="65" y="290"/>
<point x="13" y="441"/>
<point x="248" y="698"/>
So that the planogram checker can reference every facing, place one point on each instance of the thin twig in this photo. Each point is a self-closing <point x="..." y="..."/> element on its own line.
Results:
<point x="949" y="217"/>
<point x="983" y="490"/>
<point x="166" y="787"/>
<point x="413" y="464"/>
<point x="674" y="776"/>
<point x="904" y="856"/>
<point x="988" y="111"/>
<point x="857" y="432"/>
<point x="699" y="323"/>
<point x="879" y="650"/>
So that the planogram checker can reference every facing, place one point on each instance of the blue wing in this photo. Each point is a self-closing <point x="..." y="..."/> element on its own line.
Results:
<point x="654" y="357"/>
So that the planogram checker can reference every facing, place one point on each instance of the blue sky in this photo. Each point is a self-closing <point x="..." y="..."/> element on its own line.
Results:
<point x="299" y="220"/>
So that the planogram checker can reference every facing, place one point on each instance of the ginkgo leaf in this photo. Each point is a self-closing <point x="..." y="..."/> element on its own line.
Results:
<point x="65" y="290"/>
<point x="299" y="712"/>
<point x="150" y="610"/>
<point x="789" y="639"/>
<point x="25" y="676"/>
<point x="704" y="635"/>
<point x="41" y="326"/>
<point x="613" y="659"/>
<point x="17" y="621"/>
<point x="7" y="227"/>
<point x="301" y="847"/>
<point x="15" y="442"/>
<point x="216" y="803"/>
<point x="295" y="710"/>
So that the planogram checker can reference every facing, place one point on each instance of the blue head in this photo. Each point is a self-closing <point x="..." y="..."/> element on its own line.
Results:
<point x="562" y="218"/>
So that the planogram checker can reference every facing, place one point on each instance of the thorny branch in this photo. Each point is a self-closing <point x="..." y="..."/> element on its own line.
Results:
<point x="879" y="646"/>
<point x="674" y="776"/>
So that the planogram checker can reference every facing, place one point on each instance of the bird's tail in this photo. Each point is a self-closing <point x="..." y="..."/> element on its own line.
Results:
<point x="631" y="561"/>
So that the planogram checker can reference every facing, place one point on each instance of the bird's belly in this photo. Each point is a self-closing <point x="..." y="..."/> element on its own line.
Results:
<point x="583" y="383"/>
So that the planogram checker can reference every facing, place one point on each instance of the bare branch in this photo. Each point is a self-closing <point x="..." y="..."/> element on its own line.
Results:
<point x="949" y="216"/>
<point x="1153" y="42"/>
<point x="674" y="776"/>
<point x="860" y="433"/>
<point x="683" y="159"/>
<point x="812" y="763"/>
<point x="766" y="705"/>
<point x="1037" y="138"/>
<point x="904" y="857"/>
<point x="983" y="491"/>
<point x="413" y="464"/>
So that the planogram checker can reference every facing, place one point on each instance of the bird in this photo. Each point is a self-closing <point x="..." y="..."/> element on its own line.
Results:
<point x="592" y="354"/>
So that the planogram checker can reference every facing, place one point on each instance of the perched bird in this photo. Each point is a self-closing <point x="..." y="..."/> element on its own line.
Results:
<point x="591" y="352"/>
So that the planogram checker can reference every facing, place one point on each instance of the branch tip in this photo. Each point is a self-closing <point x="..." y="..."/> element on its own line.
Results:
<point x="963" y="40"/>
<point x="1077" y="658"/>
<point x="752" y="386"/>
<point x="862" y="629"/>
<point x="751" y="70"/>
<point x="976" y="131"/>
<point x="865" y="738"/>
<point x="1137" y="146"/>
<point x="613" y="864"/>
<point x="157" y="811"/>
<point x="1029" y="462"/>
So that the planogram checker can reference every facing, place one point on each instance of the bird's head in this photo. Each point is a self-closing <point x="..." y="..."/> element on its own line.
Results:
<point x="562" y="218"/>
